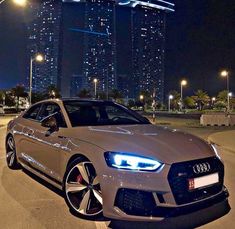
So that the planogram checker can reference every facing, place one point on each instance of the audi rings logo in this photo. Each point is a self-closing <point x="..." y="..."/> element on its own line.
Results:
<point x="201" y="168"/>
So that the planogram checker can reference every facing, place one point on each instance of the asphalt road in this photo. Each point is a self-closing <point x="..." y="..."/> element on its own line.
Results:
<point x="27" y="202"/>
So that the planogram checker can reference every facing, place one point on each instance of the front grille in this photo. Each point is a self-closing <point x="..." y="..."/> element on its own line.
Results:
<point x="135" y="202"/>
<point x="180" y="173"/>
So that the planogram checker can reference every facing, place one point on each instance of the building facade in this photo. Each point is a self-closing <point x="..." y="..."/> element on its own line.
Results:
<point x="44" y="38"/>
<point x="148" y="46"/>
<point x="99" y="59"/>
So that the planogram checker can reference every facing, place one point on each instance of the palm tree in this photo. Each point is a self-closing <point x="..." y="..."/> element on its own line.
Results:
<point x="176" y="99"/>
<point x="84" y="93"/>
<point x="201" y="98"/>
<point x="17" y="92"/>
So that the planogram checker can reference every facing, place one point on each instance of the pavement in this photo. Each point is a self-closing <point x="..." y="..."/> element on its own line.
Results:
<point x="27" y="202"/>
<point x="226" y="139"/>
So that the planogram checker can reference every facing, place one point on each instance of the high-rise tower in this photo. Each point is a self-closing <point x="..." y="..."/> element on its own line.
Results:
<point x="44" y="35"/>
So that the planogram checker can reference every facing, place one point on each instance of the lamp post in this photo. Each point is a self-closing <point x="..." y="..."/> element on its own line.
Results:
<point x="225" y="74"/>
<point x="95" y="82"/>
<point x="169" y="102"/>
<point x="142" y="100"/>
<point x="17" y="2"/>
<point x="182" y="84"/>
<point x="37" y="58"/>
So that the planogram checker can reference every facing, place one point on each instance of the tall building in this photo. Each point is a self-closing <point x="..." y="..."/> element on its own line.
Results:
<point x="44" y="38"/>
<point x="99" y="59"/>
<point x="148" y="46"/>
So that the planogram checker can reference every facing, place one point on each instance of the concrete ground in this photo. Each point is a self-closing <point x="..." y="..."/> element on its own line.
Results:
<point x="27" y="202"/>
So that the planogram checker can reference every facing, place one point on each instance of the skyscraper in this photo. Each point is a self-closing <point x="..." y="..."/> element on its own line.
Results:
<point x="44" y="35"/>
<point x="148" y="46"/>
<point x="99" y="60"/>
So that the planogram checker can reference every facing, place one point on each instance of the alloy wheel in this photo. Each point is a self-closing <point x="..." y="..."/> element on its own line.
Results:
<point x="11" y="152"/>
<point x="83" y="191"/>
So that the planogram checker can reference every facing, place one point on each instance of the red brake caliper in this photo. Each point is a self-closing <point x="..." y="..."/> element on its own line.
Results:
<point x="79" y="178"/>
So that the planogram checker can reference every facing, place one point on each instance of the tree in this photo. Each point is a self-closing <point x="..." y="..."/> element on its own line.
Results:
<point x="53" y="92"/>
<point x="116" y="95"/>
<point x="223" y="96"/>
<point x="102" y="95"/>
<point x="17" y="92"/>
<point x="201" y="98"/>
<point x="189" y="102"/>
<point x="36" y="97"/>
<point x="84" y="93"/>
<point x="131" y="103"/>
<point x="2" y="94"/>
<point x="176" y="99"/>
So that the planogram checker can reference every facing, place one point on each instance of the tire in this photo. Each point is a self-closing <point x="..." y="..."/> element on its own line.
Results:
<point x="11" y="158"/>
<point x="82" y="191"/>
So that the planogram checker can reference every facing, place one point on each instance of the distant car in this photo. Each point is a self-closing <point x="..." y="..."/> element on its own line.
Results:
<point x="1" y="109"/>
<point x="109" y="160"/>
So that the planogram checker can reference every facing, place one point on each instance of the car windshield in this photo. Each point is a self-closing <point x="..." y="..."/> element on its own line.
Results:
<point x="82" y="113"/>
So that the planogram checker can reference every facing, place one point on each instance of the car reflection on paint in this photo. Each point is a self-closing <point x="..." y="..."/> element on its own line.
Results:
<point x="109" y="160"/>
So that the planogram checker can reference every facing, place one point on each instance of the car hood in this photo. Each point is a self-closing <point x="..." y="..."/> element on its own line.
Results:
<point x="162" y="143"/>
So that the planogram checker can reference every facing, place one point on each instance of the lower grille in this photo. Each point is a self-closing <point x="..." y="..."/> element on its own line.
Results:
<point x="180" y="173"/>
<point x="135" y="202"/>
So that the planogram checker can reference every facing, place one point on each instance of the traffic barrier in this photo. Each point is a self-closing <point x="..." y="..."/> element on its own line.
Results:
<point x="217" y="119"/>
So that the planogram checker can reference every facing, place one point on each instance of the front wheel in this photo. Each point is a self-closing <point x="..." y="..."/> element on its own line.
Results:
<point x="11" y="153"/>
<point x="82" y="190"/>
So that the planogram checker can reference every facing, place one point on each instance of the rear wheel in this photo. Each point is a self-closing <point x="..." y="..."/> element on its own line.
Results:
<point x="11" y="153"/>
<point x="82" y="190"/>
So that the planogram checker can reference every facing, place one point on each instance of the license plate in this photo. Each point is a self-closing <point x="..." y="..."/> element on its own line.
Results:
<point x="204" y="181"/>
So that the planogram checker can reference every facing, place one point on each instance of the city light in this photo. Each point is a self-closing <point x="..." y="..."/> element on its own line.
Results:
<point x="184" y="82"/>
<point x="213" y="99"/>
<point x="230" y="94"/>
<point x="20" y="2"/>
<point x="141" y="97"/>
<point x="169" y="102"/>
<point x="95" y="82"/>
<point x="39" y="58"/>
<point x="224" y="73"/>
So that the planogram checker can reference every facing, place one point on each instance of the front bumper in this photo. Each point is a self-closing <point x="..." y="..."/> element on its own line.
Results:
<point x="130" y="196"/>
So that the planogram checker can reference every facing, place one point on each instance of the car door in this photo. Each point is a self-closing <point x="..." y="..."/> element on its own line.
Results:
<point x="49" y="145"/>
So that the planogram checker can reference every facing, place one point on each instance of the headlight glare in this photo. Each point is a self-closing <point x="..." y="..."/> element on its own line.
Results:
<point x="131" y="162"/>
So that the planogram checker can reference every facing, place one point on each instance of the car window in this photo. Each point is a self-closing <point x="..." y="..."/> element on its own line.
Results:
<point x="32" y="113"/>
<point x="49" y="109"/>
<point x="98" y="114"/>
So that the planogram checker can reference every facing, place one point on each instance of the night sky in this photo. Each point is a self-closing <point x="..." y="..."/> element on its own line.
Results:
<point x="200" y="42"/>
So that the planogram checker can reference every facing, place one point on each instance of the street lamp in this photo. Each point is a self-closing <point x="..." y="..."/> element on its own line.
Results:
<point x="225" y="74"/>
<point x="169" y="102"/>
<point x="17" y="2"/>
<point x="37" y="58"/>
<point x="183" y="83"/>
<point x="95" y="82"/>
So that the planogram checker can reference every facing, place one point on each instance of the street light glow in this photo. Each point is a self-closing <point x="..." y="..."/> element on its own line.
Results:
<point x="20" y="2"/>
<point x="213" y="99"/>
<point x="171" y="97"/>
<point x="141" y="97"/>
<point x="230" y="94"/>
<point x="184" y="82"/>
<point x="224" y="73"/>
<point x="39" y="58"/>
<point x="95" y="80"/>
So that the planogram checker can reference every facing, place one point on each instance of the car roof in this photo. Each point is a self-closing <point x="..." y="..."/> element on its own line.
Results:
<point x="77" y="100"/>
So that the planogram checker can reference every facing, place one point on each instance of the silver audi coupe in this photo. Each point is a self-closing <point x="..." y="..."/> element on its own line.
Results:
<point x="111" y="161"/>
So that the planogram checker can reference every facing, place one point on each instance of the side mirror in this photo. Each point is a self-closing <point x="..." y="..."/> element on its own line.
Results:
<point x="50" y="123"/>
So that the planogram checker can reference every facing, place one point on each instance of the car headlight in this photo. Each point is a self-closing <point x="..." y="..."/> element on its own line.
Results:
<point x="132" y="162"/>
